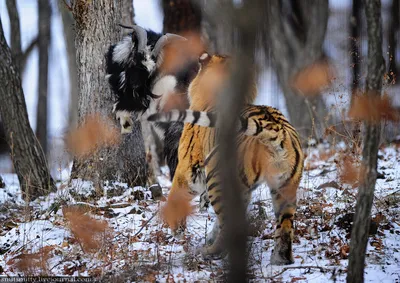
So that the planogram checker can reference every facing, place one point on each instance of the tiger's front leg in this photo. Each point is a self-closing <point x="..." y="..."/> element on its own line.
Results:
<point x="215" y="244"/>
<point x="284" y="202"/>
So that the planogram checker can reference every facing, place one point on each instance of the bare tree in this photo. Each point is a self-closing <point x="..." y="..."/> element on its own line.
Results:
<point x="19" y="56"/>
<point x="15" y="32"/>
<point x="368" y="174"/>
<point x="44" y="45"/>
<point x="296" y="32"/>
<point x="96" y="29"/>
<point x="355" y="41"/>
<point x="28" y="157"/>
<point x="393" y="35"/>
<point x="69" y="37"/>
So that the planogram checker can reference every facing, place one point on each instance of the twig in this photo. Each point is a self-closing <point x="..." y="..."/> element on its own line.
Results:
<point x="145" y="224"/>
<point x="322" y="269"/>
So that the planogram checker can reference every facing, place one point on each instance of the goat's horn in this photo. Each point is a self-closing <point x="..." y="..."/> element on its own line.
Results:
<point x="141" y="34"/>
<point x="163" y="41"/>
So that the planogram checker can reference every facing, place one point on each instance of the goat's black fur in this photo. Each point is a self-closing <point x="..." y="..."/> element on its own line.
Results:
<point x="132" y="76"/>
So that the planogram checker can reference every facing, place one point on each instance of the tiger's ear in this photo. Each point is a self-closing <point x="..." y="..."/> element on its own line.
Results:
<point x="204" y="58"/>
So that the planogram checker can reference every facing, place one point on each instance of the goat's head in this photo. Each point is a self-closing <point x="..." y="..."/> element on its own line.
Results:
<point x="131" y="66"/>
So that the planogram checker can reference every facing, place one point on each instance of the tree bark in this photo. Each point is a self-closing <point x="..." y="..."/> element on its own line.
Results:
<point x="16" y="49"/>
<point x="355" y="42"/>
<point x="296" y="32"/>
<point x="69" y="38"/>
<point x="27" y="155"/>
<point x="132" y="150"/>
<point x="362" y="217"/>
<point x="127" y="12"/>
<point x="96" y="29"/>
<point x="44" y="44"/>
<point x="393" y="31"/>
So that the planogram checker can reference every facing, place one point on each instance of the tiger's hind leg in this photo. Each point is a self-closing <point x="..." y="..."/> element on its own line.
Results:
<point x="284" y="203"/>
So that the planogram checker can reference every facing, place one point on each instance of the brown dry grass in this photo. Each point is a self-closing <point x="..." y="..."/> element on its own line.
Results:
<point x="313" y="78"/>
<point x="373" y="108"/>
<point x="177" y="208"/>
<point x="89" y="232"/>
<point x="33" y="263"/>
<point x="94" y="133"/>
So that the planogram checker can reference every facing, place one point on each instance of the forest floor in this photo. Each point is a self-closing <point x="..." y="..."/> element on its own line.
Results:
<point x="115" y="233"/>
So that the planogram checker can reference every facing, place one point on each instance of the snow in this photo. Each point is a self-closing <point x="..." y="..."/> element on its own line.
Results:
<point x="141" y="245"/>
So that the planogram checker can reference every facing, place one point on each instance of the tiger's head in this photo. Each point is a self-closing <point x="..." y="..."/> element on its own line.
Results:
<point x="212" y="77"/>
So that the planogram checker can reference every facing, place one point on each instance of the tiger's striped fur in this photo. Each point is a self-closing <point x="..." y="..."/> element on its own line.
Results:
<point x="269" y="151"/>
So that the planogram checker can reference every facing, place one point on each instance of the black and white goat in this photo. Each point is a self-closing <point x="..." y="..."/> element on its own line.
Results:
<point x="140" y="85"/>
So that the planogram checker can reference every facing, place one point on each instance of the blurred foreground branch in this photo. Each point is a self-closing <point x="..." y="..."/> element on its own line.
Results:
<point x="244" y="22"/>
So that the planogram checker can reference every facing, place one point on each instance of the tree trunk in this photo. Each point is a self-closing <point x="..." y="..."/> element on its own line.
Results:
<point x="296" y="34"/>
<point x="28" y="157"/>
<point x="44" y="44"/>
<point x="355" y="42"/>
<point x="362" y="217"/>
<point x="132" y="151"/>
<point x="181" y="16"/>
<point x="96" y="29"/>
<point x="127" y="12"/>
<point x="69" y="38"/>
<point x="393" y="31"/>
<point x="15" y="31"/>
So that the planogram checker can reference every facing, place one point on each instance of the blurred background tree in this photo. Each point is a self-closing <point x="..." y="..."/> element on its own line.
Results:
<point x="28" y="157"/>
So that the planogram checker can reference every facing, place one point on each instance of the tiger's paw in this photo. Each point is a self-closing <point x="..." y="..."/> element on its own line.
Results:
<point x="280" y="257"/>
<point x="282" y="253"/>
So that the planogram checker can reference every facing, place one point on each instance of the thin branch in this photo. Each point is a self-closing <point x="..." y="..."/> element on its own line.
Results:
<point x="28" y="51"/>
<point x="15" y="32"/>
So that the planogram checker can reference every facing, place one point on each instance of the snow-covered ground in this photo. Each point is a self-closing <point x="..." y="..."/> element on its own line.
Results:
<point x="39" y="238"/>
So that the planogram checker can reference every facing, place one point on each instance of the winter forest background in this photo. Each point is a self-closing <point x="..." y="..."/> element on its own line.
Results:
<point x="148" y="13"/>
<point x="110" y="229"/>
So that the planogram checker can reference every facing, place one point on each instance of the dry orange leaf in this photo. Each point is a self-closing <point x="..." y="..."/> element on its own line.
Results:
<point x="177" y="208"/>
<point x="94" y="133"/>
<point x="176" y="54"/>
<point x="34" y="263"/>
<point x="88" y="231"/>
<point x="348" y="170"/>
<point x="312" y="79"/>
<point x="373" y="108"/>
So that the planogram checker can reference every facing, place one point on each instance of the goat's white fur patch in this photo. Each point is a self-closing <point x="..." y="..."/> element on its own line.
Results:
<point x="164" y="87"/>
<point x="122" y="49"/>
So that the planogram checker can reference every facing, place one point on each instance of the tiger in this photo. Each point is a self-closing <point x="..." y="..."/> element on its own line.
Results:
<point x="269" y="151"/>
